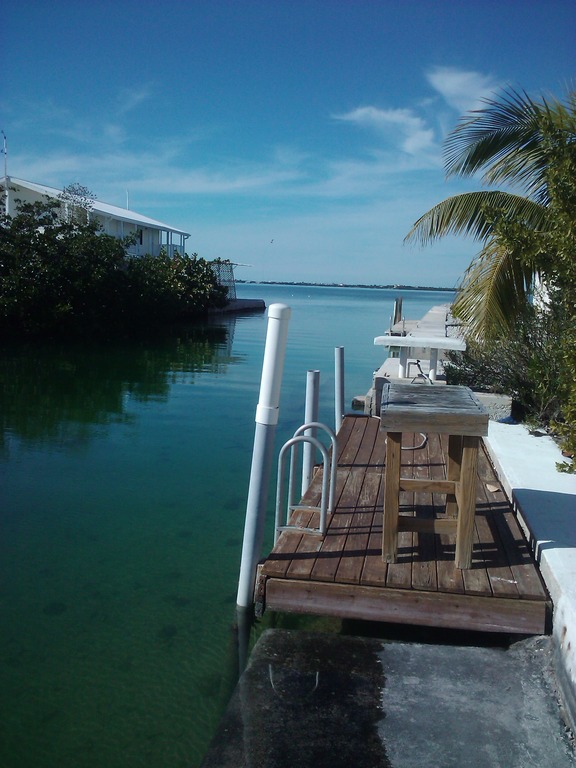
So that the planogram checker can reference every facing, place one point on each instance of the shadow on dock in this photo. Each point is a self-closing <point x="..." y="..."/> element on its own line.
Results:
<point x="343" y="574"/>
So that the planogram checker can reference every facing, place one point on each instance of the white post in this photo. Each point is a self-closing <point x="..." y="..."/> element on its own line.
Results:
<point x="433" y="364"/>
<point x="310" y="414"/>
<point x="339" y="386"/>
<point x="266" y="419"/>
<point x="403" y="362"/>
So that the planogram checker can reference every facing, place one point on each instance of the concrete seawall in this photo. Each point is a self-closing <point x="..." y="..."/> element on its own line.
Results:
<point x="545" y="501"/>
<point x="308" y="700"/>
<point x="443" y="698"/>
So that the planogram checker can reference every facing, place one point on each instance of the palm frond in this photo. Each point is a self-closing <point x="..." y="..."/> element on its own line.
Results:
<point x="472" y="214"/>
<point x="507" y="139"/>
<point x="493" y="292"/>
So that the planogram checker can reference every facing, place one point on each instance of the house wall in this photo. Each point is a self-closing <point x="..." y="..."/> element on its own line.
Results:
<point x="15" y="193"/>
<point x="148" y="239"/>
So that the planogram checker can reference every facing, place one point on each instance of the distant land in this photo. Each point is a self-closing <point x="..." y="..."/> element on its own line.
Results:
<point x="396" y="286"/>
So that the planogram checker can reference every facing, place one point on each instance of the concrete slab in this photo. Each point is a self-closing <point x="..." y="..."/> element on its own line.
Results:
<point x="304" y="700"/>
<point x="309" y="699"/>
<point x="545" y="500"/>
<point x="478" y="707"/>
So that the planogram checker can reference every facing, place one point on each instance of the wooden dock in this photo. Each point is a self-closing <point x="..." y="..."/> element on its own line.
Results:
<point x="343" y="574"/>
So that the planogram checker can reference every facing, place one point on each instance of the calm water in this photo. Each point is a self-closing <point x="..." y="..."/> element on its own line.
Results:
<point x="124" y="473"/>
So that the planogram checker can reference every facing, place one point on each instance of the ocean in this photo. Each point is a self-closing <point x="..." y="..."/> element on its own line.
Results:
<point x="124" y="475"/>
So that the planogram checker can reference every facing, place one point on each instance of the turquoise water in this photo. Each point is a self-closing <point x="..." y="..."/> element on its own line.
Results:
<point x="124" y="474"/>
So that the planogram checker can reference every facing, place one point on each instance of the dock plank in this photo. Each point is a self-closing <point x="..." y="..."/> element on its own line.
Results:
<point x="424" y="574"/>
<point x="343" y="573"/>
<point x="407" y="607"/>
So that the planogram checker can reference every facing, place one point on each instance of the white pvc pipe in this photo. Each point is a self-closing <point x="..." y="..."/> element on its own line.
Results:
<point x="267" y="412"/>
<point x="310" y="414"/>
<point x="403" y="363"/>
<point x="339" y="386"/>
<point x="433" y="364"/>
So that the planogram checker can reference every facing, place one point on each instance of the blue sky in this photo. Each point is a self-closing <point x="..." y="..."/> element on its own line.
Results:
<point x="302" y="137"/>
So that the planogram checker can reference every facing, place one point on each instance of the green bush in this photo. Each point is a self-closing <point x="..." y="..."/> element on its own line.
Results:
<point x="63" y="275"/>
<point x="526" y="364"/>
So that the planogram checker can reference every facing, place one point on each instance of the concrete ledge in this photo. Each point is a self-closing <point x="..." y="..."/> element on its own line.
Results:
<point x="240" y="305"/>
<point x="545" y="500"/>
<point x="308" y="700"/>
<point x="498" y="406"/>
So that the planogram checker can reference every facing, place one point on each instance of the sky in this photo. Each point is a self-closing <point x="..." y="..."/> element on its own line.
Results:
<point x="300" y="139"/>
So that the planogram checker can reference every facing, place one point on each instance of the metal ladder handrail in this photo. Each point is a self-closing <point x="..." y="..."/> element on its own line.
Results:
<point x="328" y="480"/>
<point x="334" y="462"/>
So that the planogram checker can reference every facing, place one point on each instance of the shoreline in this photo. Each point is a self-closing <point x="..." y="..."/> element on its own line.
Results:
<point x="390" y="287"/>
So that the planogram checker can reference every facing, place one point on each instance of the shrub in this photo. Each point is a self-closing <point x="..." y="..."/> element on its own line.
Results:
<point x="527" y="364"/>
<point x="62" y="275"/>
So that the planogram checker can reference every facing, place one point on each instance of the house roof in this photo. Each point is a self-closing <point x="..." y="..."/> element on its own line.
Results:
<point x="104" y="209"/>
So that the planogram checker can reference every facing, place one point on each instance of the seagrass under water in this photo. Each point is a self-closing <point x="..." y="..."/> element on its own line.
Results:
<point x="124" y="479"/>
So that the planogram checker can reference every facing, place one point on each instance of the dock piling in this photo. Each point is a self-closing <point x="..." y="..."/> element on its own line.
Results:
<point x="339" y="387"/>
<point x="310" y="415"/>
<point x="266" y="419"/>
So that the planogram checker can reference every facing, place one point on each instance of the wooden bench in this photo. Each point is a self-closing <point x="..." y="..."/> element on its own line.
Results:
<point x="451" y="410"/>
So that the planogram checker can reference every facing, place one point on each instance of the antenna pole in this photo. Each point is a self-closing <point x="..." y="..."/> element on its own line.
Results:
<point x="5" y="151"/>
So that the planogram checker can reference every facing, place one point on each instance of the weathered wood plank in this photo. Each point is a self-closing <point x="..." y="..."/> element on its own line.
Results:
<point x="328" y="560"/>
<point x="426" y="485"/>
<point x="453" y="409"/>
<point x="354" y="552"/>
<point x="374" y="570"/>
<point x="529" y="581"/>
<point x="424" y="564"/>
<point x="503" y="572"/>
<point x="407" y="606"/>
<point x="502" y="582"/>
<point x="512" y="540"/>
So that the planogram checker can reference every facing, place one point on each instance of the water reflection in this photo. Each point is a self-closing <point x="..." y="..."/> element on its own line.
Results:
<point x="59" y="393"/>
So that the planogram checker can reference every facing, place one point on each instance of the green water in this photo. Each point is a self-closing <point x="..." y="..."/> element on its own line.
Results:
<point x="124" y="474"/>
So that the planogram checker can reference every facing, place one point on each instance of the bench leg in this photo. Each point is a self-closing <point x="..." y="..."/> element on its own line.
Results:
<point x="391" y="496"/>
<point x="454" y="468"/>
<point x="466" y="496"/>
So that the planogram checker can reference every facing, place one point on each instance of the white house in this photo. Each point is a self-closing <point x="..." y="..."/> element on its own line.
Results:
<point x="151" y="235"/>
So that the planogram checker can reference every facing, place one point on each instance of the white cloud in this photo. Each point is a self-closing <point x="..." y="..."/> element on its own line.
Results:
<point x="413" y="134"/>
<point x="463" y="90"/>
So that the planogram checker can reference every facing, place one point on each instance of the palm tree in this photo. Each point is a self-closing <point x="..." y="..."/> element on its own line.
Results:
<point x="515" y="141"/>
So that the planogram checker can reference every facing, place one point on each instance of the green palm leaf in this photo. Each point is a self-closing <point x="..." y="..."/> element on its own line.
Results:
<point x="512" y="139"/>
<point x="494" y="290"/>
<point x="473" y="213"/>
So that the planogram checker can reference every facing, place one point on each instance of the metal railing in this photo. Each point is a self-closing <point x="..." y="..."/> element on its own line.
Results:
<point x="330" y="468"/>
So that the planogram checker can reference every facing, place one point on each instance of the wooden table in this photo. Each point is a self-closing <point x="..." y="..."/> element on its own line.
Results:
<point x="433" y="343"/>
<point x="451" y="410"/>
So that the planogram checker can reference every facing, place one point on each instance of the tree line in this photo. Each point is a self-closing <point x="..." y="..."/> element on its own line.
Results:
<point x="60" y="274"/>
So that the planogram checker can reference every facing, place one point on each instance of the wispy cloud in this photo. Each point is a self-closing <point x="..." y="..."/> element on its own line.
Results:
<point x="102" y="153"/>
<point x="412" y="133"/>
<point x="463" y="90"/>
<point x="130" y="98"/>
